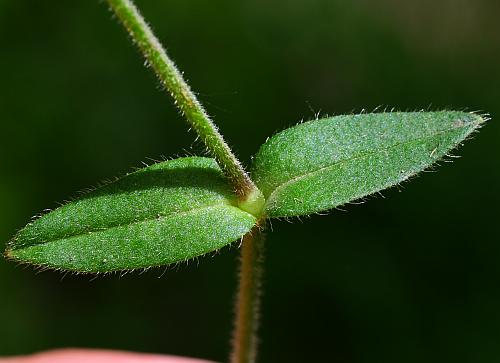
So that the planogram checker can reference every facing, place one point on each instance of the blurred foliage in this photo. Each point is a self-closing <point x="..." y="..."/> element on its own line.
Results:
<point x="410" y="278"/>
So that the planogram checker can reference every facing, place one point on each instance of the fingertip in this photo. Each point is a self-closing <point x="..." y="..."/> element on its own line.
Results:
<point x="71" y="355"/>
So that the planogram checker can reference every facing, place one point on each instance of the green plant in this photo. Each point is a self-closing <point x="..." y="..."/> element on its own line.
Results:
<point x="179" y="209"/>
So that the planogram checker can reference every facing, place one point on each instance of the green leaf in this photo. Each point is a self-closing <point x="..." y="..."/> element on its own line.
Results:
<point x="167" y="212"/>
<point x="321" y="164"/>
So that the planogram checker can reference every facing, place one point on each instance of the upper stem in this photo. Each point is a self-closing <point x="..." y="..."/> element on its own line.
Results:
<point x="184" y="98"/>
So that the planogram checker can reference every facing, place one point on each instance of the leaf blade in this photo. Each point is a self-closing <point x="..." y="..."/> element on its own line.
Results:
<point x="168" y="212"/>
<point x="321" y="164"/>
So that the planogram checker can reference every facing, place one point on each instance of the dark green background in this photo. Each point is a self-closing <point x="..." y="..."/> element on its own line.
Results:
<point x="413" y="277"/>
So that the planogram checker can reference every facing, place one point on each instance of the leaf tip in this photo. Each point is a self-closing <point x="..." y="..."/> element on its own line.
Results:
<point x="470" y="118"/>
<point x="10" y="255"/>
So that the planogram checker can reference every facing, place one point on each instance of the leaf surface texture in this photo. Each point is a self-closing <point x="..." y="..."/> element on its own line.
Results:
<point x="322" y="164"/>
<point x="168" y="212"/>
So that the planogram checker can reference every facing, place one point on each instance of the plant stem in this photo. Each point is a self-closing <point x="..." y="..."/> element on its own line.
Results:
<point x="251" y="199"/>
<point x="248" y="299"/>
<point x="186" y="101"/>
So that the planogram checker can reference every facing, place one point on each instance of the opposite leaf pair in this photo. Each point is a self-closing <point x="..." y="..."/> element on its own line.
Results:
<point x="175" y="210"/>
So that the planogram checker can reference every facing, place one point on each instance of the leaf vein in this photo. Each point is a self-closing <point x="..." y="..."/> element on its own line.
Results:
<point x="355" y="157"/>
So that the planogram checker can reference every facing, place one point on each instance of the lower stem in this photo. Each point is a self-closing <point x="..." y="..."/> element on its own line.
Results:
<point x="248" y="299"/>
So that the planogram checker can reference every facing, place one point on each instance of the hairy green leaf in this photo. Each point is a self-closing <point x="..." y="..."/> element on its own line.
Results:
<point x="167" y="212"/>
<point x="321" y="164"/>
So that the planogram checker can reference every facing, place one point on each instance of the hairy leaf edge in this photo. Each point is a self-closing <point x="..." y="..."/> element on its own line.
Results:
<point x="482" y="119"/>
<point x="9" y="253"/>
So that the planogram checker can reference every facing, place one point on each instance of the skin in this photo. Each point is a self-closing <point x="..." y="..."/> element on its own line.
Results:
<point x="97" y="356"/>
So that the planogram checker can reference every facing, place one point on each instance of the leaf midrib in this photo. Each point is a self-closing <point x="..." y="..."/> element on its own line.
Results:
<point x="161" y="217"/>
<point x="357" y="156"/>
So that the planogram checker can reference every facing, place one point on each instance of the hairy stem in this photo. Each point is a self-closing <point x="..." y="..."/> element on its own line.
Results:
<point x="184" y="98"/>
<point x="251" y="199"/>
<point x="248" y="299"/>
